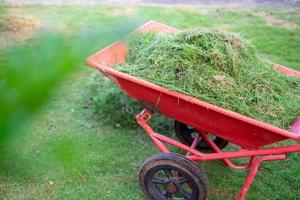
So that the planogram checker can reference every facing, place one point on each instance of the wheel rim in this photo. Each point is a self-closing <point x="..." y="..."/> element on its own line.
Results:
<point x="187" y="135"/>
<point x="168" y="182"/>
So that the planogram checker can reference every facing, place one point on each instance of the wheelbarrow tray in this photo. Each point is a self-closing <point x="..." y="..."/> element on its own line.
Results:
<point x="239" y="129"/>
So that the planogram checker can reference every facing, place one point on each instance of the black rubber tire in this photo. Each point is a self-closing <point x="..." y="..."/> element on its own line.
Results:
<point x="182" y="171"/>
<point x="184" y="134"/>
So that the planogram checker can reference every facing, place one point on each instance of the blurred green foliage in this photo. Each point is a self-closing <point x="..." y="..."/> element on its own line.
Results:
<point x="28" y="75"/>
<point x="31" y="70"/>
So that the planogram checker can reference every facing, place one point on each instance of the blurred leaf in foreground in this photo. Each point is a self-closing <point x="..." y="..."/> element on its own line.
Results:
<point x="29" y="72"/>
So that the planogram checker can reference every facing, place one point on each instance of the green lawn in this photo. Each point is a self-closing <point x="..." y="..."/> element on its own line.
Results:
<point x="66" y="152"/>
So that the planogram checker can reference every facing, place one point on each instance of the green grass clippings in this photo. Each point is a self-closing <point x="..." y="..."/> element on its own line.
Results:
<point x="217" y="67"/>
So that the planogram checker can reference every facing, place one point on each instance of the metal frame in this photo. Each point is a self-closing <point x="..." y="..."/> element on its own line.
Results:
<point x="256" y="156"/>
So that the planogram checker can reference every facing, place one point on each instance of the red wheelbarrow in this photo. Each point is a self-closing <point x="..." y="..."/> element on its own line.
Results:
<point x="198" y="126"/>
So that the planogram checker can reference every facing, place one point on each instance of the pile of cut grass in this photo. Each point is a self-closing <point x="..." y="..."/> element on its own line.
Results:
<point x="217" y="67"/>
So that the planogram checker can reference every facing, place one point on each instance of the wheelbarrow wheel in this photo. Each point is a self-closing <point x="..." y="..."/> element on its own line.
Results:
<point x="187" y="134"/>
<point x="172" y="176"/>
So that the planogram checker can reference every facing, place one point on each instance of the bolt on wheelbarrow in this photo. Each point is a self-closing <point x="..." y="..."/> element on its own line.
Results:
<point x="172" y="176"/>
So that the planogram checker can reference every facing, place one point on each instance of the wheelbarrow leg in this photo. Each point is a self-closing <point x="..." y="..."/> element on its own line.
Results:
<point x="253" y="170"/>
<point x="253" y="165"/>
<point x="142" y="119"/>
